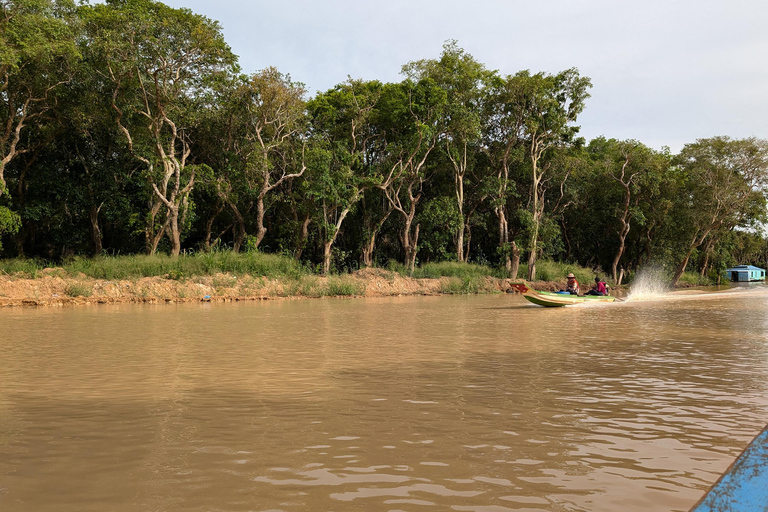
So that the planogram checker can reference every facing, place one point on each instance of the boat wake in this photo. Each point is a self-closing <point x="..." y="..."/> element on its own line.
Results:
<point x="649" y="284"/>
<point x="652" y="284"/>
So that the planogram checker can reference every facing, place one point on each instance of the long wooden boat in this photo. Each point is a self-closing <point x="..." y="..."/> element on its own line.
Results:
<point x="554" y="299"/>
<point x="744" y="485"/>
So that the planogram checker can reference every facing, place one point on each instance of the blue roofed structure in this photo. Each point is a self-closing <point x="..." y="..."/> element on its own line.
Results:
<point x="745" y="274"/>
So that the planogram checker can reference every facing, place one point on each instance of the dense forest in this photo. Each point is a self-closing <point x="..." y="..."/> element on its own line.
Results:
<point x="128" y="127"/>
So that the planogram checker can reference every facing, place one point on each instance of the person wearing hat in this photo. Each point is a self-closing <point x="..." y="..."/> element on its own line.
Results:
<point x="573" y="285"/>
<point x="599" y="289"/>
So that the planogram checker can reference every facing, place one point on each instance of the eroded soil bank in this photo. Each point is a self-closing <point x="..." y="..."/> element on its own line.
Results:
<point x="56" y="289"/>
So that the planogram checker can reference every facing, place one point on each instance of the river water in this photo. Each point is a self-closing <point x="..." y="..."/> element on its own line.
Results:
<point x="479" y="404"/>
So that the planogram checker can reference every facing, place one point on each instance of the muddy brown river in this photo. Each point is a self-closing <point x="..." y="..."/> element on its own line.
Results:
<point x="482" y="404"/>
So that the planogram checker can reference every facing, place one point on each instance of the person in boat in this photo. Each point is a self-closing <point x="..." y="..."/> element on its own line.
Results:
<point x="572" y="286"/>
<point x="600" y="289"/>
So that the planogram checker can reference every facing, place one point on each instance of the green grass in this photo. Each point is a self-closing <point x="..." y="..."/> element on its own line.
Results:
<point x="230" y="268"/>
<point x="312" y="286"/>
<point x="342" y="287"/>
<point x="78" y="290"/>
<point x="695" y="279"/>
<point x="131" y="267"/>
<point x="29" y="268"/>
<point x="466" y="285"/>
<point x="447" y="269"/>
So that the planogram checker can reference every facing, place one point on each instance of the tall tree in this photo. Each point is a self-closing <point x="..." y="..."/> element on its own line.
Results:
<point x="341" y="117"/>
<point x="270" y="113"/>
<point x="414" y="111"/>
<point x="726" y="188"/>
<point x="463" y="79"/>
<point x="553" y="103"/>
<point x="37" y="49"/>
<point x="505" y="114"/>
<point x="160" y="61"/>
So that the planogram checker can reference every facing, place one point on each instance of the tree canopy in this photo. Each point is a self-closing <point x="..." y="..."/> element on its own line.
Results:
<point x="128" y="126"/>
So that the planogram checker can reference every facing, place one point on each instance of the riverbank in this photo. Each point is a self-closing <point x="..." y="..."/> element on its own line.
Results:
<point x="226" y="276"/>
<point x="55" y="288"/>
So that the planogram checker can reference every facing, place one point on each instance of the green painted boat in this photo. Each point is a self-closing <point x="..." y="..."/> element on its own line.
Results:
<point x="556" y="300"/>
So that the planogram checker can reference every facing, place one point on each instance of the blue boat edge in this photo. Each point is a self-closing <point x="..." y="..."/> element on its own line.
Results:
<point x="744" y="485"/>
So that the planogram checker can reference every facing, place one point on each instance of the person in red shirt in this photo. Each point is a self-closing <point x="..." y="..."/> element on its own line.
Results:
<point x="599" y="289"/>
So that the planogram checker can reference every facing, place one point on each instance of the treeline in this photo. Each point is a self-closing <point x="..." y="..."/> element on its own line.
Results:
<point x="128" y="127"/>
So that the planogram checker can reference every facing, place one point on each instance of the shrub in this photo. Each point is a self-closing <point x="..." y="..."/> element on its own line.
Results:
<point x="78" y="290"/>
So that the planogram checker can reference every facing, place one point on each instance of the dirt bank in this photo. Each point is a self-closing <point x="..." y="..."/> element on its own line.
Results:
<point x="56" y="288"/>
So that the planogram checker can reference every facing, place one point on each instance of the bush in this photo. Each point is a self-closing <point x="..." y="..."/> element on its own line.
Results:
<point x="78" y="290"/>
<point x="340" y="286"/>
<point x="695" y="279"/>
<point x="137" y="266"/>
<point x="22" y="267"/>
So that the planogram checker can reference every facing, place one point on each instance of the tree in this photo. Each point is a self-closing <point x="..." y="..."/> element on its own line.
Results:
<point x="463" y="79"/>
<point x="341" y="117"/>
<point x="269" y="138"/>
<point x="160" y="62"/>
<point x="629" y="166"/>
<point x="37" y="49"/>
<point x="726" y="184"/>
<point x="552" y="104"/>
<point x="412" y="128"/>
<point x="505" y="114"/>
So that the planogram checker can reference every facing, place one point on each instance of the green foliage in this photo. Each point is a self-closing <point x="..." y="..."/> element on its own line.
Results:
<point x="186" y="266"/>
<point x="466" y="285"/>
<point x="78" y="290"/>
<point x="695" y="279"/>
<point x="141" y="133"/>
<point x="340" y="286"/>
<point x="10" y="222"/>
<point x="22" y="267"/>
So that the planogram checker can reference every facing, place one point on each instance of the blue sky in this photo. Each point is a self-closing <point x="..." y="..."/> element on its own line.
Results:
<point x="663" y="72"/>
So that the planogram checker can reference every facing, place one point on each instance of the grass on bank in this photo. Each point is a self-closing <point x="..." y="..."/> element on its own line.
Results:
<point x="160" y="265"/>
<point x="296" y="279"/>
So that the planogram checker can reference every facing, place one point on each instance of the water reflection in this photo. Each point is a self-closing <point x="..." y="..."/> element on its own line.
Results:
<point x="478" y="404"/>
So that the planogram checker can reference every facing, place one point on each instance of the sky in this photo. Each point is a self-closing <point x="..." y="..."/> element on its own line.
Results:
<point x="664" y="72"/>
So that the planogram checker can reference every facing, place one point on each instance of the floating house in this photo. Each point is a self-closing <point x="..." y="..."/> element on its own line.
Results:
<point x="745" y="274"/>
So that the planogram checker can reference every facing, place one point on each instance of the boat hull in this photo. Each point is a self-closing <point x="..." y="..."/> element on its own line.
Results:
<point x="557" y="300"/>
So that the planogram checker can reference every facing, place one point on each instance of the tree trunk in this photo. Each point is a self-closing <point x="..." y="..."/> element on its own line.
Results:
<point x="467" y="242"/>
<point x="173" y="230"/>
<point x="260" y="229"/>
<point x="328" y="244"/>
<point x="209" y="225"/>
<point x="367" y="251"/>
<point x="411" y="251"/>
<point x="514" y="261"/>
<point x="616" y="259"/>
<point x="410" y="246"/>
<point x="96" y="239"/>
<point x="302" y="242"/>
<point x="538" y="211"/>
<point x="151" y="235"/>
<point x="681" y="268"/>
<point x="707" y="252"/>
<point x="534" y="247"/>
<point x="239" y="228"/>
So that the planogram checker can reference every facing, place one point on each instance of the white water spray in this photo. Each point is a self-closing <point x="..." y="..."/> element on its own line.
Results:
<point x="649" y="283"/>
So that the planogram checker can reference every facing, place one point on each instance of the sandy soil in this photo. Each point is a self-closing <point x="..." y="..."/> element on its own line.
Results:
<point x="54" y="288"/>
